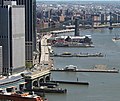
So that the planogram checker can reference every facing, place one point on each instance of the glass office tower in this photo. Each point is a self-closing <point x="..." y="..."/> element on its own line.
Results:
<point x="30" y="27"/>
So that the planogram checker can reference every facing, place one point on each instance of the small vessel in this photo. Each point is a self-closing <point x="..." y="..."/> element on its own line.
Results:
<point x="66" y="54"/>
<point x="70" y="68"/>
<point x="110" y="27"/>
<point x="116" y="38"/>
<point x="96" y="55"/>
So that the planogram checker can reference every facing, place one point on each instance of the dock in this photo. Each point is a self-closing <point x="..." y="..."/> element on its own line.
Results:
<point x="48" y="90"/>
<point x="86" y="70"/>
<point x="72" y="82"/>
<point x="73" y="45"/>
<point x="68" y="54"/>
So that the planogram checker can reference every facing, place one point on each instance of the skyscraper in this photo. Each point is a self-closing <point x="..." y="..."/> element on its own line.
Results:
<point x="76" y="27"/>
<point x="1" y="60"/>
<point x="12" y="36"/>
<point x="30" y="27"/>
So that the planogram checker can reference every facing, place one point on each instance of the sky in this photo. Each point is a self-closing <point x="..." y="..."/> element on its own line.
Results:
<point x="77" y="0"/>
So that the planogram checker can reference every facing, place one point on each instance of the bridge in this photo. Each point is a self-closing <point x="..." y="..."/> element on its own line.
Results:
<point x="112" y="19"/>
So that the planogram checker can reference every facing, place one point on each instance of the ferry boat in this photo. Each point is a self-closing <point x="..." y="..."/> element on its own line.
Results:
<point x="12" y="93"/>
<point x="15" y="96"/>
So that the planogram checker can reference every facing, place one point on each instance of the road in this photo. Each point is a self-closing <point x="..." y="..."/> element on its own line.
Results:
<point x="45" y="61"/>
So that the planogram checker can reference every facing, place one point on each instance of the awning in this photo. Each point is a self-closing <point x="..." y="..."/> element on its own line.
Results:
<point x="11" y="87"/>
<point x="21" y="83"/>
<point x="1" y="89"/>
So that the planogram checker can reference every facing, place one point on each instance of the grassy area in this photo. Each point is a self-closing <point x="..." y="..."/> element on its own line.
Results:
<point x="29" y="65"/>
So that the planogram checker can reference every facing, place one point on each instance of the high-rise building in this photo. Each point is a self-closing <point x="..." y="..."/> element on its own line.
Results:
<point x="62" y="18"/>
<point x="103" y="18"/>
<point x="76" y="27"/>
<point x="12" y="36"/>
<point x="1" y="60"/>
<point x="30" y="27"/>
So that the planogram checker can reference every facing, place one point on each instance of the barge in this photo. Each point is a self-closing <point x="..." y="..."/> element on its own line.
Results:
<point x="44" y="89"/>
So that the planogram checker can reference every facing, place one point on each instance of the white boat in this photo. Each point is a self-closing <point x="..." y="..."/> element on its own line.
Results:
<point x="70" y="68"/>
<point x="116" y="39"/>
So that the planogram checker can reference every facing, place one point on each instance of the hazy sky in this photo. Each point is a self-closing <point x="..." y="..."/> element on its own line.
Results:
<point x="78" y="0"/>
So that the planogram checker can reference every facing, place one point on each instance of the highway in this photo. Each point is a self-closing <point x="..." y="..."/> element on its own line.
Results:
<point x="45" y="60"/>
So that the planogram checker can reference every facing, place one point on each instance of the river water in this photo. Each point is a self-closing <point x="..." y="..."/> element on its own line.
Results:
<point x="102" y="86"/>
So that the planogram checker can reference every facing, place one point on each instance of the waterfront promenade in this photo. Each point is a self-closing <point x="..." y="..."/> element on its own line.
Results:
<point x="46" y="63"/>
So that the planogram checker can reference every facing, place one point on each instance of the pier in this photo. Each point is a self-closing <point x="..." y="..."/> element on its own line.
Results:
<point x="68" y="54"/>
<point x="86" y="70"/>
<point x="72" y="82"/>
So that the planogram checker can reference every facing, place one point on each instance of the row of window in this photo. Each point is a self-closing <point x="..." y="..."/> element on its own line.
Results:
<point x="3" y="37"/>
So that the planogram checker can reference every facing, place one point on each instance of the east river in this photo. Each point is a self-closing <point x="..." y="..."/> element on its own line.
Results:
<point x="103" y="86"/>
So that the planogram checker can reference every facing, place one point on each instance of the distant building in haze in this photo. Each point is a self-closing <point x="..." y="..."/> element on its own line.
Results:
<point x="96" y="19"/>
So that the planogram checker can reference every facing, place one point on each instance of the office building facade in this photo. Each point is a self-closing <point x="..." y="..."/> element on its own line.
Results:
<point x="1" y="60"/>
<point x="76" y="27"/>
<point x="30" y="27"/>
<point x="12" y="37"/>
